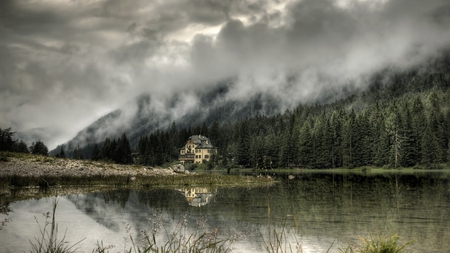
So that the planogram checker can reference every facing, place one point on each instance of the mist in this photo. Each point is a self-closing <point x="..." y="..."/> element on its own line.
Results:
<point x="65" y="64"/>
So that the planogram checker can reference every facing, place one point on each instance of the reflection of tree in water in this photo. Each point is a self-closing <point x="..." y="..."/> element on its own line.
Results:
<point x="4" y="209"/>
<point x="198" y="196"/>
<point x="100" y="206"/>
<point x="120" y="196"/>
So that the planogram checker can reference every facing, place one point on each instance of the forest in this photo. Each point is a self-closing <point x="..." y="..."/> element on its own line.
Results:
<point x="411" y="130"/>
<point x="403" y="124"/>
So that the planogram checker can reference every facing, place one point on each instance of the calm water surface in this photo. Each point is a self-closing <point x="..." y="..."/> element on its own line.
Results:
<point x="318" y="210"/>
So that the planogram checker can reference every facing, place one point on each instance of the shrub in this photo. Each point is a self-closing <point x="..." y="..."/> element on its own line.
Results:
<point x="380" y="245"/>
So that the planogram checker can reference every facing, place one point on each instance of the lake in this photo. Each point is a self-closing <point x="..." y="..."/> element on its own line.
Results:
<point x="317" y="210"/>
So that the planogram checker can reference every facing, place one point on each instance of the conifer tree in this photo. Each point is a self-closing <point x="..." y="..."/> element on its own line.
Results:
<point x="243" y="148"/>
<point x="39" y="148"/>
<point x="122" y="154"/>
<point x="429" y="147"/>
<point x="305" y="149"/>
<point x="322" y="140"/>
<point x="77" y="153"/>
<point x="349" y="140"/>
<point x="257" y="151"/>
<point x="6" y="141"/>
<point x="61" y="153"/>
<point x="21" y="147"/>
<point x="418" y="125"/>
<point x="283" y="157"/>
<point x="393" y="124"/>
<point x="381" y="142"/>
<point x="108" y="149"/>
<point x="408" y="157"/>
<point x="436" y="125"/>
<point x="96" y="154"/>
<point x="336" y="128"/>
<point x="363" y="145"/>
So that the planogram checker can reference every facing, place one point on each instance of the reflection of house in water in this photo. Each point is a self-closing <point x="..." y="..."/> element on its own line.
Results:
<point x="198" y="196"/>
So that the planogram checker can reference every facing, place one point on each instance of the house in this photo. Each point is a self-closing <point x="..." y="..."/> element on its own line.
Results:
<point x="197" y="149"/>
<point x="198" y="196"/>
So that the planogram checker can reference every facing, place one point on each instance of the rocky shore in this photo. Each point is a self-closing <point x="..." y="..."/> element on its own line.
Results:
<point x="37" y="166"/>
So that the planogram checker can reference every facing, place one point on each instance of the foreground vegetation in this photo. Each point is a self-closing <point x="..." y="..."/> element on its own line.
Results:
<point x="197" y="242"/>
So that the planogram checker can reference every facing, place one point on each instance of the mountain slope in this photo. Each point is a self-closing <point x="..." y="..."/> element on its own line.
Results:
<point x="224" y="102"/>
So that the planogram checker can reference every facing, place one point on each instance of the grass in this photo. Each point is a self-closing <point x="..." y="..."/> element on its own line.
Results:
<point x="276" y="242"/>
<point x="48" y="241"/>
<point x="199" y="241"/>
<point x="379" y="245"/>
<point x="138" y="182"/>
<point x="70" y="178"/>
<point x="178" y="242"/>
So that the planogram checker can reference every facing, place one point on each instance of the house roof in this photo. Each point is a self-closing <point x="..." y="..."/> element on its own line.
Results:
<point x="201" y="141"/>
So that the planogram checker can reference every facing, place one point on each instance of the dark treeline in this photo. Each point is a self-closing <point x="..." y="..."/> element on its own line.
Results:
<point x="402" y="120"/>
<point x="404" y="131"/>
<point x="117" y="151"/>
<point x="9" y="144"/>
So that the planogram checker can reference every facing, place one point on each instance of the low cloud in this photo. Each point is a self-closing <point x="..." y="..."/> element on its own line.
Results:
<point x="66" y="63"/>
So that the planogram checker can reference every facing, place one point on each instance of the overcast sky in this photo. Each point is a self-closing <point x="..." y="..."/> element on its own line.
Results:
<point x="65" y="63"/>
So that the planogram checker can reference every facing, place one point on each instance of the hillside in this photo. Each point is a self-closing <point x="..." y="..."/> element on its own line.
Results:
<point x="142" y="117"/>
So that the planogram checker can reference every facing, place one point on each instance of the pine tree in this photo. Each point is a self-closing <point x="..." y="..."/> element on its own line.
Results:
<point x="436" y="125"/>
<point x="305" y="149"/>
<point x="381" y="142"/>
<point x="6" y="141"/>
<point x="142" y="146"/>
<point x="122" y="154"/>
<point x="77" y="153"/>
<point x="39" y="148"/>
<point x="363" y="146"/>
<point x="349" y="141"/>
<point x="61" y="153"/>
<point x="243" y="148"/>
<point x="409" y="155"/>
<point x="21" y="147"/>
<point x="173" y="140"/>
<point x="429" y="147"/>
<point x="393" y="124"/>
<point x="257" y="151"/>
<point x="96" y="154"/>
<point x="418" y="125"/>
<point x="108" y="149"/>
<point x="322" y="140"/>
<point x="284" y="150"/>
<point x="336" y="128"/>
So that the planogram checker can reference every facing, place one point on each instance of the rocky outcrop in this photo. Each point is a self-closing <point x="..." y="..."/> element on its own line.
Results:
<point x="179" y="168"/>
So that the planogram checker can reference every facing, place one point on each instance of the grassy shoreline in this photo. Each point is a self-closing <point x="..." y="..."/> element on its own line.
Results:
<point x="24" y="170"/>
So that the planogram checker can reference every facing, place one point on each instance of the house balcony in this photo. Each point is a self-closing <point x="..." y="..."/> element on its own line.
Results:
<point x="187" y="157"/>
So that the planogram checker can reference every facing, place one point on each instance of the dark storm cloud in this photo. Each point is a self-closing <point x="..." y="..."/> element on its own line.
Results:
<point x="65" y="63"/>
<point x="322" y="45"/>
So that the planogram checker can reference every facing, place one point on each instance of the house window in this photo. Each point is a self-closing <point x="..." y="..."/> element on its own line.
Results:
<point x="206" y="156"/>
